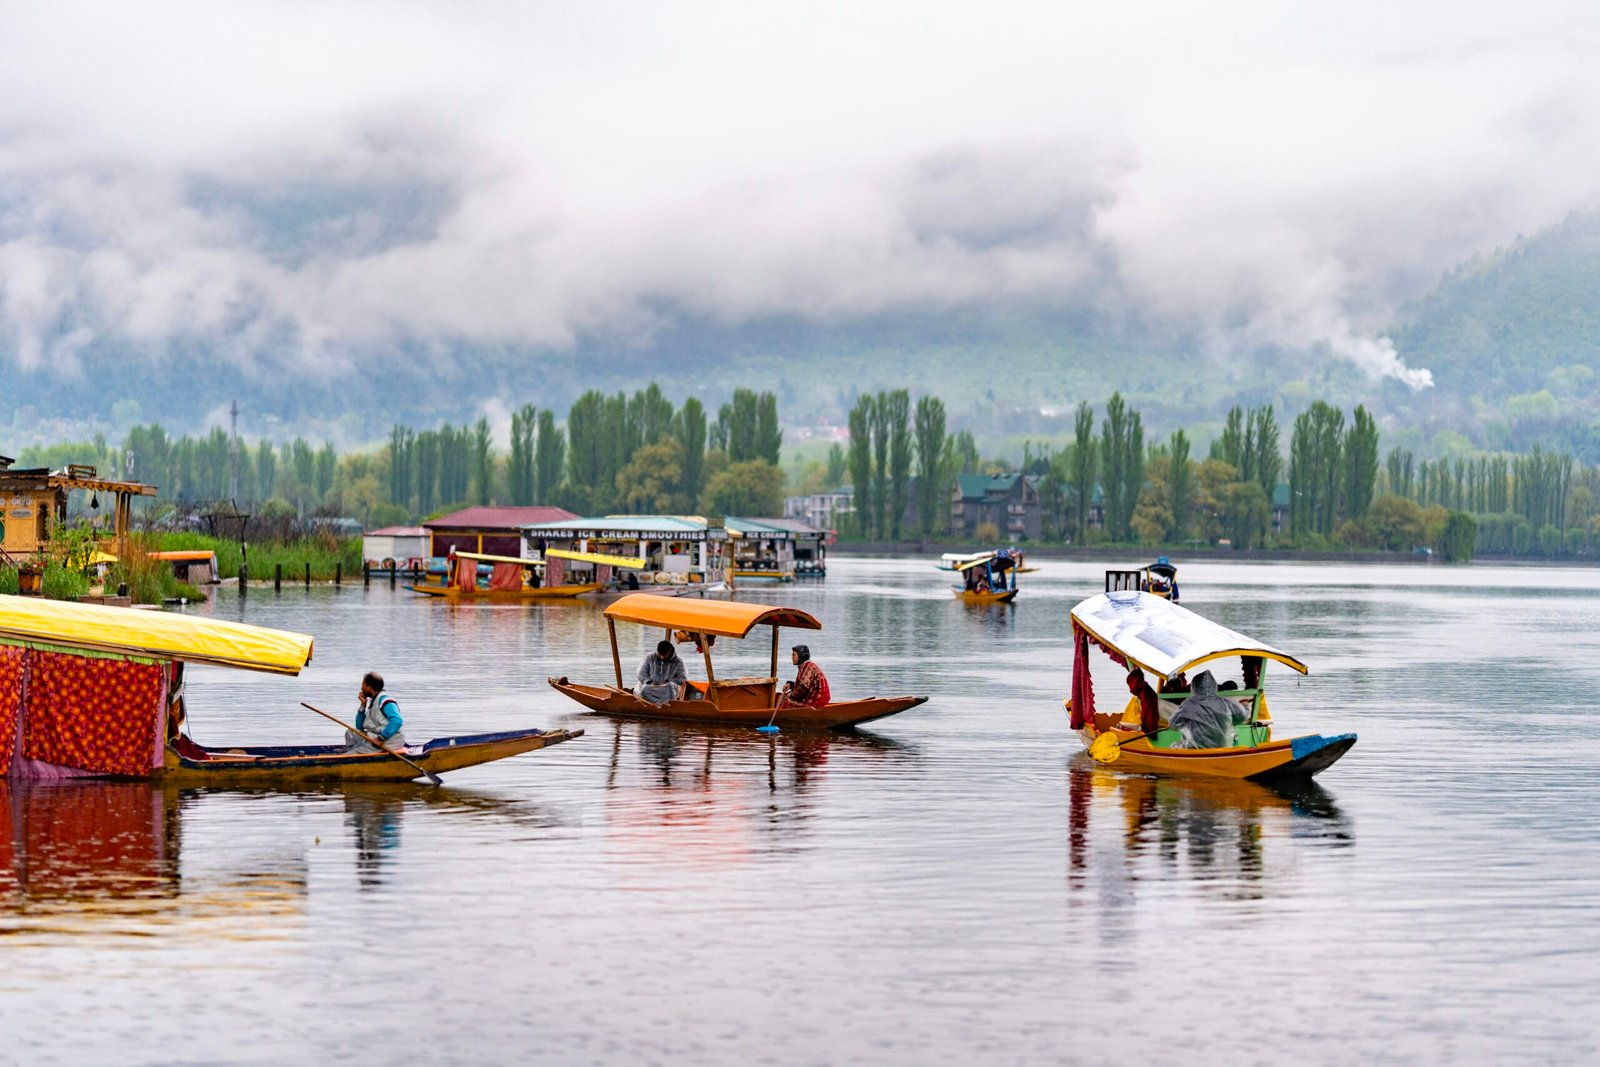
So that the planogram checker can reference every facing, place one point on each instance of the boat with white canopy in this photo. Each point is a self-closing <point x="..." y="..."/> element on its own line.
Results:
<point x="1147" y="632"/>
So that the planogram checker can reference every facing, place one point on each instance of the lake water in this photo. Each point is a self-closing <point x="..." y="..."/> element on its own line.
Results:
<point x="960" y="885"/>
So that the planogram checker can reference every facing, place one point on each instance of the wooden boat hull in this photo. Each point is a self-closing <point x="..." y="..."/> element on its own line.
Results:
<point x="551" y="592"/>
<point x="608" y="700"/>
<point x="1271" y="761"/>
<point x="331" y="763"/>
<point x="1004" y="596"/>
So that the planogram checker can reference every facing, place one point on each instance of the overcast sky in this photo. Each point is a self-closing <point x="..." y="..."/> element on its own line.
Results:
<point x="317" y="180"/>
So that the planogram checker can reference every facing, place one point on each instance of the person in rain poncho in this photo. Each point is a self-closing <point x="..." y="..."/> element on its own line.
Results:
<point x="1206" y="719"/>
<point x="662" y="676"/>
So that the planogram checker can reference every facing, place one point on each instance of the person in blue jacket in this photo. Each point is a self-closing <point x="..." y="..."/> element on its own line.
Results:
<point x="379" y="716"/>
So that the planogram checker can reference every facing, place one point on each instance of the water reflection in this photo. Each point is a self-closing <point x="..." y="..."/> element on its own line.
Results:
<point x="1230" y="836"/>
<point x="106" y="857"/>
<point x="714" y="796"/>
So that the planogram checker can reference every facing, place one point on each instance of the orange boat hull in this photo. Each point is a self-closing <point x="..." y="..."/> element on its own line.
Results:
<point x="609" y="700"/>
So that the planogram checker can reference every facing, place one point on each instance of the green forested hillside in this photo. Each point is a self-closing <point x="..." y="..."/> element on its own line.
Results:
<point x="1513" y="340"/>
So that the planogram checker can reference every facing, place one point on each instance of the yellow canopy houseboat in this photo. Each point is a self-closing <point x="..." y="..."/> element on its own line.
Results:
<point x="91" y="691"/>
<point x="1148" y="632"/>
<point x="509" y="578"/>
<point x="733" y="701"/>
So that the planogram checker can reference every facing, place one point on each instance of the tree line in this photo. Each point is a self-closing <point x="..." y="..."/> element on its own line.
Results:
<point x="616" y="452"/>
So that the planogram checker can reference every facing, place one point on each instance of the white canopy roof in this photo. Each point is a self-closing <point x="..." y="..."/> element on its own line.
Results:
<point x="1163" y="638"/>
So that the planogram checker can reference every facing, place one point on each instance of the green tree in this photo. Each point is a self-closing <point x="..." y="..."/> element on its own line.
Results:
<point x="836" y="465"/>
<point x="1360" y="461"/>
<point x="1460" y="537"/>
<point x="521" y="477"/>
<point x="1122" y="464"/>
<point x="896" y="408"/>
<point x="861" y="417"/>
<point x="750" y="487"/>
<point x="769" y="432"/>
<point x="1082" y="466"/>
<point x="1179" y="484"/>
<point x="482" y="462"/>
<point x="880" y="465"/>
<point x="689" y="427"/>
<point x="931" y="492"/>
<point x="652" y="482"/>
<point x="549" y="456"/>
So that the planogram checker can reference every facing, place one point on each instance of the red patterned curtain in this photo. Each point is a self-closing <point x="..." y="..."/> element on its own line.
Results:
<point x="466" y="573"/>
<point x="11" y="660"/>
<point x="555" y="570"/>
<point x="95" y="715"/>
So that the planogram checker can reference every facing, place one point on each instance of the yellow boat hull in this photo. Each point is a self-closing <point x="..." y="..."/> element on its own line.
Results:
<point x="1272" y="760"/>
<point x="1005" y="596"/>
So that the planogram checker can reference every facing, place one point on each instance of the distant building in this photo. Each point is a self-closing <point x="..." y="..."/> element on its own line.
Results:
<point x="1009" y="501"/>
<point x="1280" y="508"/>
<point x="810" y="544"/>
<point x="824" y="511"/>
<point x="495" y="531"/>
<point x="399" y="544"/>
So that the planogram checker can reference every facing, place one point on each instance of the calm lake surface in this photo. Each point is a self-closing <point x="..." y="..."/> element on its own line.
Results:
<point x="960" y="885"/>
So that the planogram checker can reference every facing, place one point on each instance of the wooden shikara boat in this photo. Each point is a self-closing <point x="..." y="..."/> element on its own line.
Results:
<point x="104" y="697"/>
<point x="731" y="701"/>
<point x="989" y="577"/>
<point x="331" y="763"/>
<point x="1148" y="631"/>
<point x="513" y="579"/>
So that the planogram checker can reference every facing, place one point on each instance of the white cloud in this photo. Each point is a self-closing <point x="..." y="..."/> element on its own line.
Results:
<point x="305" y="184"/>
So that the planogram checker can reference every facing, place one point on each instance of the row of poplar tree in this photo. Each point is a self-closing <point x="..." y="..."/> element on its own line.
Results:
<point x="637" y="453"/>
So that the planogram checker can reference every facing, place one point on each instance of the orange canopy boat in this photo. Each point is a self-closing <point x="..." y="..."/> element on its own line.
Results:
<point x="734" y="701"/>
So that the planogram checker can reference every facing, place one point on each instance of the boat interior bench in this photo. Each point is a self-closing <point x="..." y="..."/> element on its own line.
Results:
<point x="739" y="693"/>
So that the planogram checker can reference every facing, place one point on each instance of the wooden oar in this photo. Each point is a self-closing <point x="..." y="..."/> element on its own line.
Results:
<point x="433" y="778"/>
<point x="1108" y="749"/>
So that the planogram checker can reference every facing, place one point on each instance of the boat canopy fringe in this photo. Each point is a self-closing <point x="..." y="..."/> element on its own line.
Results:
<point x="1082" y="682"/>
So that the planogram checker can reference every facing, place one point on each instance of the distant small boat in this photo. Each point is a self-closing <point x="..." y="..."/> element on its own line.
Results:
<point x="1151" y="633"/>
<point x="132" y="726"/>
<point x="989" y="577"/>
<point x="511" y="578"/>
<point x="730" y="701"/>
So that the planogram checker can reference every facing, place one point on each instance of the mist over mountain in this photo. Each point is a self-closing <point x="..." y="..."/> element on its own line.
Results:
<point x="346" y="215"/>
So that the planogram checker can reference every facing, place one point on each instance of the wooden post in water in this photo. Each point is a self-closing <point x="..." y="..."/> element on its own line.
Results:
<point x="277" y="577"/>
<point x="394" y="572"/>
<point x="244" y="579"/>
<point x="338" y="572"/>
<point x="308" y="574"/>
<point x="366" y="574"/>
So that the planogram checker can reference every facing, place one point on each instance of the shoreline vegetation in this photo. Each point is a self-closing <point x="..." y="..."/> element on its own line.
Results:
<point x="1318" y="483"/>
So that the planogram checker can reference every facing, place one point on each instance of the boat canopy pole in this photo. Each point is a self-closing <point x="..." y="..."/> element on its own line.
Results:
<point x="775" y="653"/>
<point x="711" y="677"/>
<point x="616" y="657"/>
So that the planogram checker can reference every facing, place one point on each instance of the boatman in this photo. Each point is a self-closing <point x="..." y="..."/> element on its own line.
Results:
<point x="662" y="676"/>
<point x="379" y="716"/>
<point x="810" y="686"/>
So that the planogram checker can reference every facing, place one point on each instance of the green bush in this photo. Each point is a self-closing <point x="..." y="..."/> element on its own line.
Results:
<point x="8" y="580"/>
<point x="1521" y="537"/>
<point x="63" y="583"/>
<point x="1577" y="542"/>
<point x="1460" y="534"/>
<point x="1549" y="540"/>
